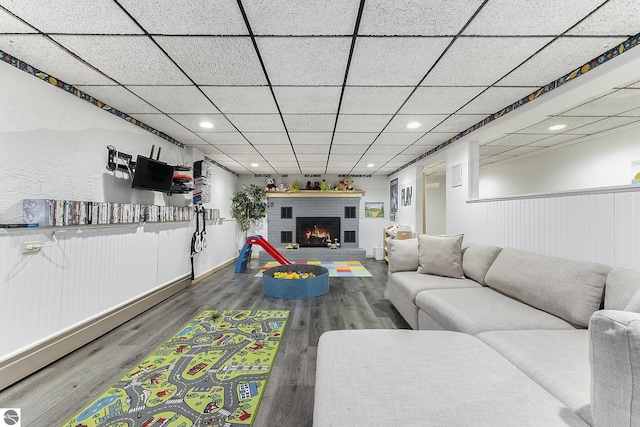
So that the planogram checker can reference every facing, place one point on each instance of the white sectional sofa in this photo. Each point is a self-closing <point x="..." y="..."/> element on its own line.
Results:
<point x="502" y="337"/>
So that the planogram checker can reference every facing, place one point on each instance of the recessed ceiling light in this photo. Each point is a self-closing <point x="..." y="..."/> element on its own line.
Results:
<point x="557" y="127"/>
<point x="370" y="165"/>
<point x="413" y="125"/>
<point x="254" y="165"/>
<point x="206" y="125"/>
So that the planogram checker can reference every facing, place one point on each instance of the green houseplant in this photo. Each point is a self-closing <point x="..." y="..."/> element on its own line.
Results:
<point x="248" y="205"/>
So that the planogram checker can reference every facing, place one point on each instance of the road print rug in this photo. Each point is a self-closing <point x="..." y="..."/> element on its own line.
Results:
<point x="213" y="372"/>
<point x="336" y="268"/>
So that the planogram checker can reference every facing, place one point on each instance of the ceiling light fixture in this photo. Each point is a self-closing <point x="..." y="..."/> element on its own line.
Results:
<point x="370" y="165"/>
<point x="254" y="165"/>
<point x="557" y="127"/>
<point x="206" y="125"/>
<point x="413" y="125"/>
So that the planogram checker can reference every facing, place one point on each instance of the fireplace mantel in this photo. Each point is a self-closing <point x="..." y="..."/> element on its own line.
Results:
<point x="316" y="193"/>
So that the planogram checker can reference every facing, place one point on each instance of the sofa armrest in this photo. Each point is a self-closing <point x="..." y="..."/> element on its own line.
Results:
<point x="614" y="352"/>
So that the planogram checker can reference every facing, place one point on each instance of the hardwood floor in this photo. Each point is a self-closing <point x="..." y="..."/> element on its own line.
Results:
<point x="52" y="395"/>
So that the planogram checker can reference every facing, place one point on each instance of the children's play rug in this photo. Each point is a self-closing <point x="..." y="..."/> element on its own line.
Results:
<point x="336" y="268"/>
<point x="211" y="373"/>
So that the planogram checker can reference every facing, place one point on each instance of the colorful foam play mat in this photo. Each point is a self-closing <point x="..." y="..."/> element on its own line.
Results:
<point x="213" y="372"/>
<point x="336" y="268"/>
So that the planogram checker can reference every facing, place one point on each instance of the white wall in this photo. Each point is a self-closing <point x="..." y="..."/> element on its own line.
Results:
<point x="53" y="145"/>
<point x="376" y="190"/>
<point x="436" y="204"/>
<point x="601" y="161"/>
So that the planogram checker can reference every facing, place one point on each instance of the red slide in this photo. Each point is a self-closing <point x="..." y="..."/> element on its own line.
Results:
<point x="260" y="241"/>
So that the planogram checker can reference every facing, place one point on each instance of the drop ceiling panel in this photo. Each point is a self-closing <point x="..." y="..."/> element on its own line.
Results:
<point x="241" y="99"/>
<point x="120" y="98"/>
<point x="427" y="122"/>
<point x="459" y="122"/>
<point x="362" y="122"/>
<point x="390" y="150"/>
<point x="278" y="149"/>
<point x="305" y="60"/>
<point x="310" y="122"/>
<point x="519" y="139"/>
<point x="265" y="138"/>
<point x="164" y="124"/>
<point x="74" y="16"/>
<point x="417" y="150"/>
<point x="114" y="56"/>
<point x="405" y="62"/>
<point x="351" y="149"/>
<point x="257" y="122"/>
<point x="302" y="17"/>
<point x="435" y="138"/>
<point x="223" y="139"/>
<point x="558" y="59"/>
<point x="440" y="100"/>
<point x="518" y="151"/>
<point x="221" y="17"/>
<point x="312" y="157"/>
<point x="215" y="60"/>
<point x="398" y="138"/>
<point x="192" y="122"/>
<point x="617" y="102"/>
<point x="602" y="125"/>
<point x="305" y="149"/>
<point x="491" y="57"/>
<point x="416" y="17"/>
<point x="492" y="150"/>
<point x="311" y="100"/>
<point x="380" y="158"/>
<point x="571" y="122"/>
<point x="507" y="17"/>
<point x="42" y="53"/>
<point x="175" y="99"/>
<point x="373" y="100"/>
<point x="311" y="138"/>
<point x="632" y="113"/>
<point x="405" y="158"/>
<point x="555" y="140"/>
<point x="619" y="17"/>
<point x="233" y="150"/>
<point x="10" y="24"/>
<point x="494" y="98"/>
<point x="348" y="138"/>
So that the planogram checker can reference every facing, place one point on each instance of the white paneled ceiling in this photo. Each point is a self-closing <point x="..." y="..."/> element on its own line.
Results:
<point x="329" y="86"/>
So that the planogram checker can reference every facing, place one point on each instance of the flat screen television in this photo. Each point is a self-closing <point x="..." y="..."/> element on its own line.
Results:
<point x="152" y="175"/>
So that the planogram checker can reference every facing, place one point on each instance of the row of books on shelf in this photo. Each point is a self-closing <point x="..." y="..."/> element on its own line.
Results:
<point x="49" y="212"/>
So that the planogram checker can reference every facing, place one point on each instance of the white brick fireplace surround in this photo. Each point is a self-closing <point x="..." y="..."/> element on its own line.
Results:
<point x="284" y="208"/>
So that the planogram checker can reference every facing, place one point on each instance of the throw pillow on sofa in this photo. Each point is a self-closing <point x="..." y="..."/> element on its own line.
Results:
<point x="403" y="255"/>
<point x="634" y="303"/>
<point x="440" y="255"/>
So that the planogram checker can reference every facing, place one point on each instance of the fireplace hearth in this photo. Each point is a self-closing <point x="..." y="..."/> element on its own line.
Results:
<point x="317" y="231"/>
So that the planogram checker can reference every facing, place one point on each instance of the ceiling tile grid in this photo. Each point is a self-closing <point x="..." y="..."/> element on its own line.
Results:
<point x="283" y="78"/>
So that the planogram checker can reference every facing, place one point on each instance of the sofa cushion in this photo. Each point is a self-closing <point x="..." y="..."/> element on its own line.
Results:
<point x="403" y="255"/>
<point x="382" y="378"/>
<point x="403" y="286"/>
<point x="475" y="310"/>
<point x="557" y="360"/>
<point x="615" y="368"/>
<point x="477" y="259"/>
<point x="634" y="303"/>
<point x="621" y="285"/>
<point x="440" y="255"/>
<point x="572" y="290"/>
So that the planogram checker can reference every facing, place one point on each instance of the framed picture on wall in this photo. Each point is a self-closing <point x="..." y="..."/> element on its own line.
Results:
<point x="374" y="209"/>
<point x="393" y="207"/>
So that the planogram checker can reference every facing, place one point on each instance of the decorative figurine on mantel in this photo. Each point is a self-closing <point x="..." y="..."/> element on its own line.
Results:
<point x="271" y="185"/>
<point x="345" y="184"/>
<point x="324" y="186"/>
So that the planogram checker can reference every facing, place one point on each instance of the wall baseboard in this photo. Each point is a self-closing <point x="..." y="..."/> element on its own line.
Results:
<point x="208" y="273"/>
<point x="23" y="364"/>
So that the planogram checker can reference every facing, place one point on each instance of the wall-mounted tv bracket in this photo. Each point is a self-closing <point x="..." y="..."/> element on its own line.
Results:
<point x="118" y="160"/>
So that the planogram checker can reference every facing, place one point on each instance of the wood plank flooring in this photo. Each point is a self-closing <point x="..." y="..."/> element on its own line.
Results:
<point x="52" y="395"/>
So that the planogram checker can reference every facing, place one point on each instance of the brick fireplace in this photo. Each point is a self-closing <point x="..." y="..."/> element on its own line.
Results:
<point x="321" y="213"/>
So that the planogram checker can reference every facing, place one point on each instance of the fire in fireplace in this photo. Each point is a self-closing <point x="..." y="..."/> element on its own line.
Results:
<point x="317" y="231"/>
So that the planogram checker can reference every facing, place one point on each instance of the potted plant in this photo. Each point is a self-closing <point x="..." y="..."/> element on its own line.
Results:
<point x="248" y="206"/>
